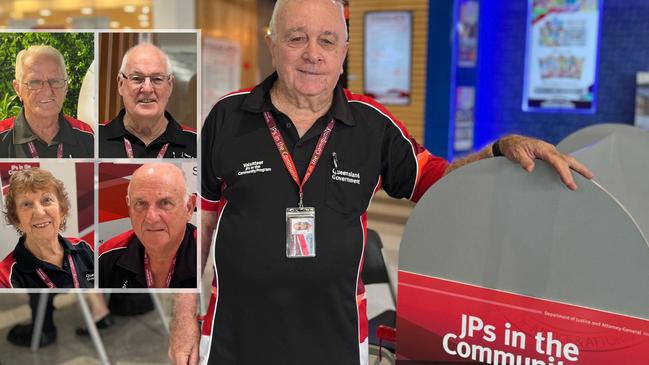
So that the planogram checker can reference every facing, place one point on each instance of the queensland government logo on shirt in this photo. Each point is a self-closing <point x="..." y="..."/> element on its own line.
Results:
<point x="346" y="176"/>
<point x="253" y="167"/>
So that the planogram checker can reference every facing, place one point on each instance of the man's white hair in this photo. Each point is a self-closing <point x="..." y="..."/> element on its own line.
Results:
<point x="122" y="67"/>
<point x="280" y="3"/>
<point x="39" y="50"/>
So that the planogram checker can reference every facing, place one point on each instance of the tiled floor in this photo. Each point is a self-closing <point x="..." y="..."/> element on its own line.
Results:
<point x="133" y="340"/>
<point x="142" y="340"/>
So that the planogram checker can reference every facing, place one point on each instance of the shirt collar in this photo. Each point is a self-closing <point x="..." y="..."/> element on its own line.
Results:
<point x="22" y="132"/>
<point x="27" y="262"/>
<point x="116" y="130"/>
<point x="258" y="101"/>
<point x="133" y="258"/>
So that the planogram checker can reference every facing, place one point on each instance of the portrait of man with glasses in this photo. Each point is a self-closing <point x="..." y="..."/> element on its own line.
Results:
<point x="144" y="128"/>
<point x="40" y="129"/>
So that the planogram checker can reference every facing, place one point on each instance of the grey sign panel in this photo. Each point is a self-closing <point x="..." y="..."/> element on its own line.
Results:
<point x="618" y="155"/>
<point x="492" y="224"/>
<point x="590" y="135"/>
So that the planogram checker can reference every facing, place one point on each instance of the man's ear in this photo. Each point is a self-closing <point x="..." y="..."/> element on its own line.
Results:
<point x="120" y="82"/>
<point x="342" y="62"/>
<point x="191" y="205"/>
<point x="270" y="44"/>
<point x="16" y="86"/>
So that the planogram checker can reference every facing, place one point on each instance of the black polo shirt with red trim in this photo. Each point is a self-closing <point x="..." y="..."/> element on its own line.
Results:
<point x="181" y="140"/>
<point x="18" y="269"/>
<point x="307" y="310"/>
<point x="76" y="137"/>
<point x="121" y="262"/>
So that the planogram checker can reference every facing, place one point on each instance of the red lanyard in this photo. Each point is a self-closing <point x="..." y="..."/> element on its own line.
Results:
<point x="149" y="274"/>
<point x="48" y="281"/>
<point x="286" y="155"/>
<point x="129" y="149"/>
<point x="32" y="150"/>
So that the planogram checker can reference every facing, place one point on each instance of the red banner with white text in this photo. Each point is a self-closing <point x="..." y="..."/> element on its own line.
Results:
<point x="445" y="322"/>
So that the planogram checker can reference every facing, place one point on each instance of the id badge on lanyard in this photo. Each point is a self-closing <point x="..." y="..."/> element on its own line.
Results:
<point x="300" y="232"/>
<point x="300" y="220"/>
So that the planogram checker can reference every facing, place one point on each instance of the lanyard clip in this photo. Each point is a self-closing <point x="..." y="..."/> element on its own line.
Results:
<point x="300" y="204"/>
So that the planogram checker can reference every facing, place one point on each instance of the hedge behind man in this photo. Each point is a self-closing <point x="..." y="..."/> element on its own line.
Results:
<point x="284" y="291"/>
<point x="160" y="250"/>
<point x="40" y="130"/>
<point x="143" y="128"/>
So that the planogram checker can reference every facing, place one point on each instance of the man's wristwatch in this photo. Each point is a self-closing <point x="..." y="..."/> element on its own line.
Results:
<point x="495" y="149"/>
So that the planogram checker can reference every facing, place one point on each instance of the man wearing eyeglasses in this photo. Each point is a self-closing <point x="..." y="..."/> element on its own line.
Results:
<point x="144" y="129"/>
<point x="40" y="130"/>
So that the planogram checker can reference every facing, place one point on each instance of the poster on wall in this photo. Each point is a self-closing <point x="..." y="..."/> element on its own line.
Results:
<point x="464" y="118"/>
<point x="561" y="55"/>
<point x="221" y="71"/>
<point x="467" y="30"/>
<point x="388" y="44"/>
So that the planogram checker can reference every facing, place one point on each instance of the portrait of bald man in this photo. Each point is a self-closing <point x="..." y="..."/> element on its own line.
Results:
<point x="159" y="251"/>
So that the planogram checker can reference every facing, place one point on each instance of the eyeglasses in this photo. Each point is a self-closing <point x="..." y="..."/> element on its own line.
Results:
<point x="38" y="84"/>
<point x="138" y="80"/>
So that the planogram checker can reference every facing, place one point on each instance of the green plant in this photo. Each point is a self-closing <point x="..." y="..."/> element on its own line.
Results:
<point x="9" y="106"/>
<point x="78" y="50"/>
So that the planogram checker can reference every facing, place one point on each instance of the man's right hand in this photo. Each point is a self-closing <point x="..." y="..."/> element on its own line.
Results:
<point x="185" y="334"/>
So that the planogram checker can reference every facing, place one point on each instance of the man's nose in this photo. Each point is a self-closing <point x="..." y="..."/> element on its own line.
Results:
<point x="47" y="88"/>
<point x="147" y="85"/>
<point x="152" y="214"/>
<point x="312" y="52"/>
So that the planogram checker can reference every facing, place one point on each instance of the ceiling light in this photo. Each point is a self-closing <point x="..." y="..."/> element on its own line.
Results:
<point x="114" y="24"/>
<point x="68" y="20"/>
<point x="40" y="21"/>
<point x="86" y="11"/>
<point x="45" y="12"/>
<point x="129" y="8"/>
<point x="146" y="10"/>
<point x="144" y="24"/>
<point x="127" y="28"/>
<point x="143" y="17"/>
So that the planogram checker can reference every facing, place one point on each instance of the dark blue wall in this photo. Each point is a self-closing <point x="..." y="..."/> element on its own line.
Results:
<point x="439" y="78"/>
<point x="624" y="50"/>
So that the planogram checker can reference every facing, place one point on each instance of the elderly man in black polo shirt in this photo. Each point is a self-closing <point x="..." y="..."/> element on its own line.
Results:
<point x="40" y="129"/>
<point x="288" y="171"/>
<point x="160" y="250"/>
<point x="144" y="129"/>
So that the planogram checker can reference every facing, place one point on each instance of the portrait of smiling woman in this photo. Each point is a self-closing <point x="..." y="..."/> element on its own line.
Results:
<point x="37" y="206"/>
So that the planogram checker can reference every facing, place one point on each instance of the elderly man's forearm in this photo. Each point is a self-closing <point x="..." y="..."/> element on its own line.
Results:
<point x="484" y="153"/>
